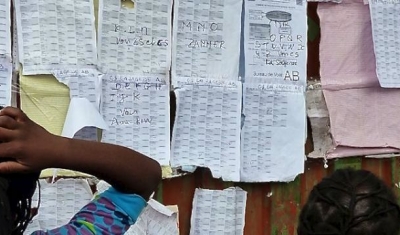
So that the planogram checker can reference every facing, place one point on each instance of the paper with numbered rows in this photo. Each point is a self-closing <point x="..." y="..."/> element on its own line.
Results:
<point x="54" y="34"/>
<point x="218" y="211"/>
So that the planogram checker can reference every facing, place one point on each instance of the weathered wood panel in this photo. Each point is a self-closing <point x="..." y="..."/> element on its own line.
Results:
<point x="273" y="208"/>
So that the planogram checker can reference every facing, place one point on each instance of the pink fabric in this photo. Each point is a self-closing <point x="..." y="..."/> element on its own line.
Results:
<point x="364" y="117"/>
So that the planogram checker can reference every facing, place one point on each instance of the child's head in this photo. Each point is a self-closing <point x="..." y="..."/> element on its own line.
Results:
<point x="350" y="202"/>
<point x="16" y="192"/>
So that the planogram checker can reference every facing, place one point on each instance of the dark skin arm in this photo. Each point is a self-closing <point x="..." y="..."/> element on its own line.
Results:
<point x="28" y="147"/>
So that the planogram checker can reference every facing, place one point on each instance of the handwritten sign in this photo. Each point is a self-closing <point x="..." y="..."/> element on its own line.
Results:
<point x="135" y="39"/>
<point x="275" y="41"/>
<point x="206" y="39"/>
<point x="137" y="111"/>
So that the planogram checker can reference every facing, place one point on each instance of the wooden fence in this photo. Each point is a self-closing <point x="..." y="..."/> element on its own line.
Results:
<point x="273" y="208"/>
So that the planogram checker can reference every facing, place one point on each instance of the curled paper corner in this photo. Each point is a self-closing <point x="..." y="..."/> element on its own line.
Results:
<point x="161" y="208"/>
<point x="169" y="172"/>
<point x="189" y="169"/>
<point x="102" y="186"/>
<point x="81" y="113"/>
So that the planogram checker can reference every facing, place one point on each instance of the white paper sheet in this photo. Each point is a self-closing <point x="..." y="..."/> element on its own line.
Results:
<point x="318" y="115"/>
<point x="275" y="41"/>
<point x="207" y="126"/>
<point x="5" y="28"/>
<point x="82" y="113"/>
<point x="273" y="132"/>
<point x="386" y="34"/>
<point x="206" y="39"/>
<point x="156" y="219"/>
<point x="61" y="201"/>
<point x="5" y="82"/>
<point x="15" y="52"/>
<point x="14" y="97"/>
<point x="55" y="34"/>
<point x="335" y="1"/>
<point x="33" y="226"/>
<point x="136" y="109"/>
<point x="135" y="39"/>
<point x="84" y="85"/>
<point x="218" y="211"/>
<point x="102" y="186"/>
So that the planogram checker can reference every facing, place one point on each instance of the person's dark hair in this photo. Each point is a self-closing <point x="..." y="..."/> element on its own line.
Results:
<point x="350" y="202"/>
<point x="16" y="193"/>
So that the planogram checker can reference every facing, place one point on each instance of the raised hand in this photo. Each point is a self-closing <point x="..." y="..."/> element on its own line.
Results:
<point x="25" y="146"/>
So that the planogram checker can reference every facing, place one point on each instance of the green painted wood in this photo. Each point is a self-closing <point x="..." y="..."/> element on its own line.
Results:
<point x="285" y="207"/>
<point x="353" y="162"/>
<point x="395" y="173"/>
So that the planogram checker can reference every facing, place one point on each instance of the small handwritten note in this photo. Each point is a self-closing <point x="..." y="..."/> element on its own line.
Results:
<point x="275" y="38"/>
<point x="386" y="35"/>
<point x="5" y="82"/>
<point x="135" y="39"/>
<point x="136" y="109"/>
<point x="273" y="134"/>
<point x="5" y="28"/>
<point x="207" y="126"/>
<point x="218" y="211"/>
<point x="206" y="39"/>
<point x="54" y="34"/>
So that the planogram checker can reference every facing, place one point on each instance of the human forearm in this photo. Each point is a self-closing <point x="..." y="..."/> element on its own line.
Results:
<point x="27" y="147"/>
<point x="128" y="171"/>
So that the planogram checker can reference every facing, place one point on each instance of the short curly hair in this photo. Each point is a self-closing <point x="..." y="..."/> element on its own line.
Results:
<point x="16" y="193"/>
<point x="350" y="202"/>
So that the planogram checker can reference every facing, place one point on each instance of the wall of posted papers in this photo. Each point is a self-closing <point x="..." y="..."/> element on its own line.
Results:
<point x="238" y="71"/>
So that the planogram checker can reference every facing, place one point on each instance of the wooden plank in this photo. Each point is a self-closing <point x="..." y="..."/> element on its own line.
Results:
<point x="285" y="207"/>
<point x="313" y="63"/>
<point x="380" y="167"/>
<point x="158" y="195"/>
<point x="258" y="208"/>
<point x="351" y="162"/>
<point x="314" y="172"/>
<point x="208" y="182"/>
<point x="180" y="191"/>
<point x="396" y="176"/>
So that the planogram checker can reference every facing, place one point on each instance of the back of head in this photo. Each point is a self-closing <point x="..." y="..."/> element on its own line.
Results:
<point x="350" y="202"/>
<point x="16" y="193"/>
